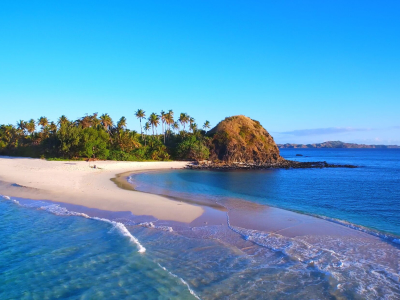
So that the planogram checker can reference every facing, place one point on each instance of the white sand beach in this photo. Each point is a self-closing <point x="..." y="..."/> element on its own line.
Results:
<point x="77" y="182"/>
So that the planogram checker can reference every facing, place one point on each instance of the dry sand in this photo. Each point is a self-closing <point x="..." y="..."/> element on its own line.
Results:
<point x="75" y="182"/>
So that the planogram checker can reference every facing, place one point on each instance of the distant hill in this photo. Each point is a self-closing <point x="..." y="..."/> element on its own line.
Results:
<point x="337" y="144"/>
<point x="241" y="139"/>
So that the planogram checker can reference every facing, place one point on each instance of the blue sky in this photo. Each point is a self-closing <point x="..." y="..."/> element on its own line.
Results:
<point x="309" y="71"/>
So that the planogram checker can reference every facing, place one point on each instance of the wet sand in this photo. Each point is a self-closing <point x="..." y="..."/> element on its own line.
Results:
<point x="77" y="182"/>
<point x="106" y="188"/>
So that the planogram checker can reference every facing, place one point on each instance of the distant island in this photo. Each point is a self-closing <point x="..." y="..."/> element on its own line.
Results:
<point x="336" y="144"/>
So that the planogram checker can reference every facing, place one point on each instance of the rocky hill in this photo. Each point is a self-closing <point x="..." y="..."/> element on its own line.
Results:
<point x="239" y="142"/>
<point x="337" y="144"/>
<point x="239" y="139"/>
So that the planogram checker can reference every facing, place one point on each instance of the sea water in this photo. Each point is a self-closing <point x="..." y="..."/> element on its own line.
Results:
<point x="368" y="195"/>
<point x="48" y="251"/>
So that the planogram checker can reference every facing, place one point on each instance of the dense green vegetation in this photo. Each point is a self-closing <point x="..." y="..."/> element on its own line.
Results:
<point x="100" y="138"/>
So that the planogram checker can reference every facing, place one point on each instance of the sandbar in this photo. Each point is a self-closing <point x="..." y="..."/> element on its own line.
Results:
<point x="78" y="183"/>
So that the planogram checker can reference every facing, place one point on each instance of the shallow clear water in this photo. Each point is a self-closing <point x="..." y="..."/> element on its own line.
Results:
<point x="48" y="256"/>
<point x="367" y="196"/>
<point x="49" y="252"/>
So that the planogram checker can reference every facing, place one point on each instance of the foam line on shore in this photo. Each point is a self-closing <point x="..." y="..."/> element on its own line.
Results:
<point x="385" y="236"/>
<point x="62" y="211"/>
<point x="327" y="261"/>
<point x="124" y="231"/>
<point x="183" y="281"/>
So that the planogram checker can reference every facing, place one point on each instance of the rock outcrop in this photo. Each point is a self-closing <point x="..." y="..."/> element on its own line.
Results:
<point x="239" y="139"/>
<point x="283" y="164"/>
<point x="239" y="142"/>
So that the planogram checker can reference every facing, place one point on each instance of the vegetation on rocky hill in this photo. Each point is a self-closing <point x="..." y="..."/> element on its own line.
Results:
<point x="241" y="139"/>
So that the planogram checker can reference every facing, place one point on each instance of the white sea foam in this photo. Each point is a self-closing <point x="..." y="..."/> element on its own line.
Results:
<point x="355" y="263"/>
<point x="183" y="281"/>
<point x="384" y="236"/>
<point x="151" y="225"/>
<point x="10" y="199"/>
<point x="62" y="211"/>
<point x="124" y="231"/>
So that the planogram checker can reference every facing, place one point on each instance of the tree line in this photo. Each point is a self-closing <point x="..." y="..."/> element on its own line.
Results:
<point x="99" y="137"/>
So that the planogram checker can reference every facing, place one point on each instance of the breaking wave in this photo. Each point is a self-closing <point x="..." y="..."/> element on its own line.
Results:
<point x="62" y="211"/>
<point x="124" y="231"/>
<point x="183" y="281"/>
<point x="353" y="263"/>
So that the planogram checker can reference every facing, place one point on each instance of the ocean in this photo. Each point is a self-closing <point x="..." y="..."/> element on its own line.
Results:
<point x="367" y="196"/>
<point x="55" y="251"/>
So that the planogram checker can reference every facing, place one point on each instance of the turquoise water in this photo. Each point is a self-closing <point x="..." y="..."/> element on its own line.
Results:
<point x="50" y="252"/>
<point x="367" y="196"/>
<point x="48" y="256"/>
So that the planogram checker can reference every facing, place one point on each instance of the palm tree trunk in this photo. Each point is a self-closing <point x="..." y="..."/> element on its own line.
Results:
<point x="164" y="130"/>
<point x="141" y="130"/>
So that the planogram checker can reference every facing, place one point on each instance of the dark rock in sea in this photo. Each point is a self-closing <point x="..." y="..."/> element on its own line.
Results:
<point x="299" y="154"/>
<point x="285" y="164"/>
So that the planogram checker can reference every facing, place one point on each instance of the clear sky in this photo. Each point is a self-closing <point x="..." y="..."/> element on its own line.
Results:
<point x="309" y="71"/>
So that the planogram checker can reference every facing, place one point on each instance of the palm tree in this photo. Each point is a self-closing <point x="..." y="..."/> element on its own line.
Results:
<point x="163" y="120"/>
<point x="63" y="120"/>
<point x="154" y="121"/>
<point x="146" y="128"/>
<point x="43" y="121"/>
<point x="191" y="120"/>
<point x="10" y="135"/>
<point x="85" y="121"/>
<point x="121" y="123"/>
<point x="106" y="121"/>
<point x="169" y="119"/>
<point x="183" y="119"/>
<point x="140" y="114"/>
<point x="31" y="126"/>
<point x="21" y="125"/>
<point x="175" y="126"/>
<point x="193" y="127"/>
<point x="96" y="122"/>
<point x="53" y="127"/>
<point x="206" y="125"/>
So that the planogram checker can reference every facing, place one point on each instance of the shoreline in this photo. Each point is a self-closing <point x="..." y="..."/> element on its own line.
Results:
<point x="106" y="189"/>
<point x="78" y="183"/>
<point x="283" y="221"/>
<point x="259" y="234"/>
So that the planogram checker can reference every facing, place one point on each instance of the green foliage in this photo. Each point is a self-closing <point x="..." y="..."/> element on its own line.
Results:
<point x="97" y="137"/>
<point x="69" y="138"/>
<point x="122" y="156"/>
<point x="193" y="148"/>
<point x="93" y="143"/>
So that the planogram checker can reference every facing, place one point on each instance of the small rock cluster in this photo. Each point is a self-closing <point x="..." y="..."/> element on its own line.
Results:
<point x="285" y="164"/>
